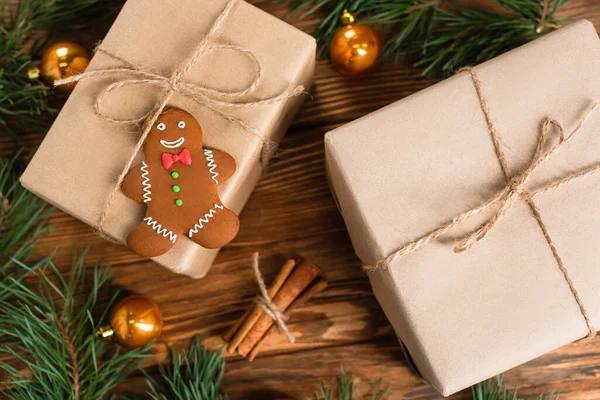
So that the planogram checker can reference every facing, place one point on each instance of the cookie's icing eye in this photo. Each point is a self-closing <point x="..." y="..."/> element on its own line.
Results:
<point x="181" y="124"/>
<point x="161" y="126"/>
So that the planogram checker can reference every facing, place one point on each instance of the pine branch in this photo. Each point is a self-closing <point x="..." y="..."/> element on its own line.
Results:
<point x="440" y="36"/>
<point x="494" y="389"/>
<point x="346" y="389"/>
<point x="49" y="330"/>
<point x="25" y="104"/>
<point x="465" y="37"/>
<point x="23" y="221"/>
<point x="193" y="375"/>
<point x="61" y="325"/>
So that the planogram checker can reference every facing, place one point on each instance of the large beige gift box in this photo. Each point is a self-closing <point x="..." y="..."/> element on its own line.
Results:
<point x="78" y="162"/>
<point x="405" y="170"/>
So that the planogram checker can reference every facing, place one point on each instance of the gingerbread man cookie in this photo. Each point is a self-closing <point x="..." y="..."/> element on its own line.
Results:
<point x="178" y="183"/>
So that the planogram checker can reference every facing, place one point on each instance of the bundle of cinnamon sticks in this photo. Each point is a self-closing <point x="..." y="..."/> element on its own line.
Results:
<point x="296" y="282"/>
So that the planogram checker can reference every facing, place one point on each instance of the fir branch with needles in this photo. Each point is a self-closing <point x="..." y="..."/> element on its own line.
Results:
<point x="345" y="389"/>
<point x="491" y="389"/>
<point x="194" y="374"/>
<point x="28" y="105"/>
<point x="23" y="220"/>
<point x="465" y="36"/>
<point x="440" y="36"/>
<point x="49" y="330"/>
<point x="495" y="389"/>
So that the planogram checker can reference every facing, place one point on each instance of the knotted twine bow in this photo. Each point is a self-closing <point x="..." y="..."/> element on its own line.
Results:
<point x="514" y="190"/>
<point x="266" y="304"/>
<point x="214" y="99"/>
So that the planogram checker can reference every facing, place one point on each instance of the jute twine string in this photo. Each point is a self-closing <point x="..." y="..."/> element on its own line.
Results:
<point x="514" y="190"/>
<point x="218" y="101"/>
<point x="266" y="303"/>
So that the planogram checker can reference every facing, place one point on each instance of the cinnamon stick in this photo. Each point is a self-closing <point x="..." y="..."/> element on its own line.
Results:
<point x="245" y="324"/>
<point x="313" y="290"/>
<point x="299" y="280"/>
<point x="235" y="327"/>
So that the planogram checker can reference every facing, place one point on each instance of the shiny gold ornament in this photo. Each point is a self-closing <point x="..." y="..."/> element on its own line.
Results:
<point x="134" y="322"/>
<point x="62" y="60"/>
<point x="355" y="49"/>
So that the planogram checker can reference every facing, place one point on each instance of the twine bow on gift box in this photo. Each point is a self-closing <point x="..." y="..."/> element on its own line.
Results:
<point x="218" y="101"/>
<point x="515" y="189"/>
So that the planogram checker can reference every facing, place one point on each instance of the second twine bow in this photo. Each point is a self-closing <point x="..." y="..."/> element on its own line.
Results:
<point x="218" y="101"/>
<point x="265" y="302"/>
<point x="515" y="189"/>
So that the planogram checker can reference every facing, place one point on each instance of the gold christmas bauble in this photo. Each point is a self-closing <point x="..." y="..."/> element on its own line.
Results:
<point x="134" y="322"/>
<point x="62" y="60"/>
<point x="355" y="49"/>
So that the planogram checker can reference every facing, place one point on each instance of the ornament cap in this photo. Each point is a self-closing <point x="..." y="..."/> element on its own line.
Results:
<point x="33" y="73"/>
<point x="347" y="17"/>
<point x="105" y="332"/>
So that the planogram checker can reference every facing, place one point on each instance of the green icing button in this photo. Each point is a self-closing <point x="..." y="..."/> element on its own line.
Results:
<point x="178" y="202"/>
<point x="175" y="175"/>
<point x="176" y="189"/>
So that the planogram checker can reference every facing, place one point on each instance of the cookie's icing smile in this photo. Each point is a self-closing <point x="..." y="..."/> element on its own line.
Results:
<point x="174" y="144"/>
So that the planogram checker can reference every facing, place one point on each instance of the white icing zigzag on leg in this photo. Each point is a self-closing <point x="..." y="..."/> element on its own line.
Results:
<point x="160" y="230"/>
<point x="211" y="213"/>
<point x="146" y="183"/>
<point x="211" y="165"/>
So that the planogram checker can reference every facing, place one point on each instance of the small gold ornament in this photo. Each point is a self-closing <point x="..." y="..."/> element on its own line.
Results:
<point x="134" y="322"/>
<point x="61" y="60"/>
<point x="355" y="49"/>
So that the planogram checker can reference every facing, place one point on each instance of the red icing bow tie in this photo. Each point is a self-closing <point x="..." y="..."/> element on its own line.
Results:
<point x="185" y="157"/>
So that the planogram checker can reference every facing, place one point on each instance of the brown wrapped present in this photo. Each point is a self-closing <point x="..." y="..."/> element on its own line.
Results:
<point x="242" y="88"/>
<point x="476" y="212"/>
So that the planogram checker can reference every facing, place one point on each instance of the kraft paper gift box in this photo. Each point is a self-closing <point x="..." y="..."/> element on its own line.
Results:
<point x="80" y="159"/>
<point x="405" y="170"/>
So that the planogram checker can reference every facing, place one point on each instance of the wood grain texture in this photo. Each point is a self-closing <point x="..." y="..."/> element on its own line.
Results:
<point x="292" y="213"/>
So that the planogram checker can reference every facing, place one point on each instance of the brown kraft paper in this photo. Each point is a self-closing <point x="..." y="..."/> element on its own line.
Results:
<point x="406" y="169"/>
<point x="78" y="162"/>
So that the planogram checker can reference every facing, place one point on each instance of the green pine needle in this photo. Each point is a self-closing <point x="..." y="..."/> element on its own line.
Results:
<point x="195" y="374"/>
<point x="408" y="20"/>
<point x="494" y="389"/>
<point x="49" y="329"/>
<point x="465" y="36"/>
<point x="23" y="221"/>
<point x="346" y="389"/>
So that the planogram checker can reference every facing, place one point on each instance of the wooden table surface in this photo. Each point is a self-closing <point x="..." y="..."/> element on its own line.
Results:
<point x="292" y="212"/>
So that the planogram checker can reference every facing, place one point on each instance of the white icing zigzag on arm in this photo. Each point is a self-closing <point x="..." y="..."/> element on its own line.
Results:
<point x="160" y="230"/>
<point x="211" y="213"/>
<point x="211" y="165"/>
<point x="146" y="183"/>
